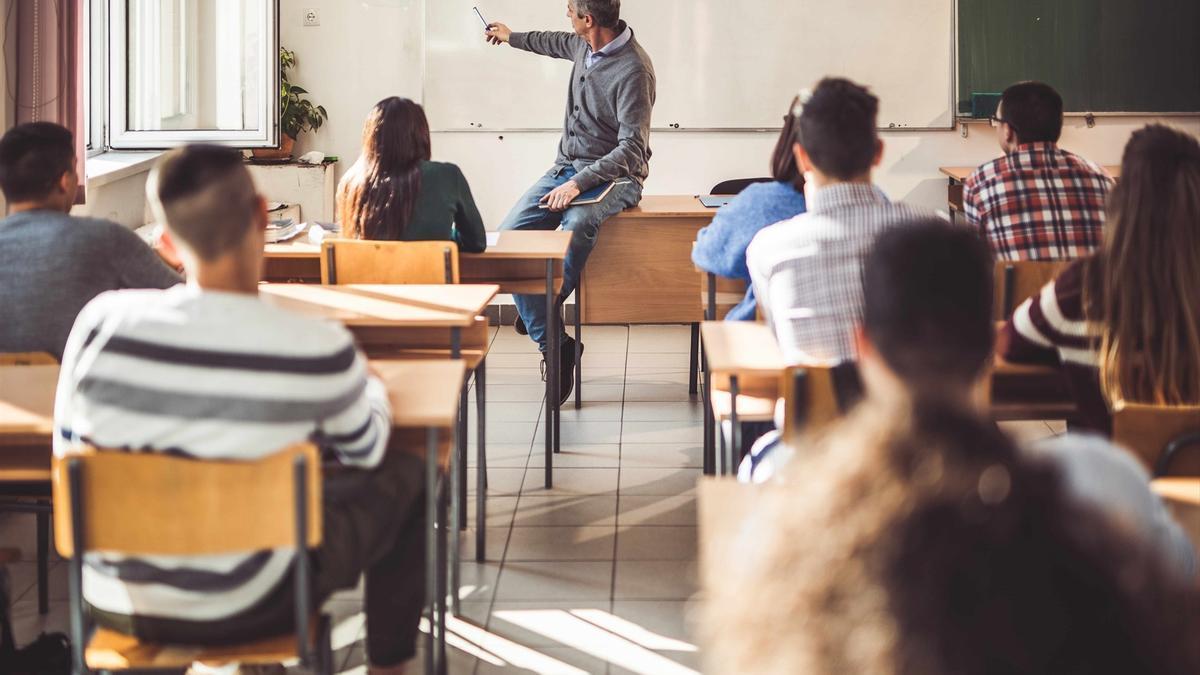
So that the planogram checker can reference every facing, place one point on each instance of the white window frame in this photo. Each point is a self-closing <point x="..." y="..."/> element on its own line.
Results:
<point x="95" y="81"/>
<point x="120" y="137"/>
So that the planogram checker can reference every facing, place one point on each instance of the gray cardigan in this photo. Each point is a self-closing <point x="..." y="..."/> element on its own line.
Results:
<point x="606" y="134"/>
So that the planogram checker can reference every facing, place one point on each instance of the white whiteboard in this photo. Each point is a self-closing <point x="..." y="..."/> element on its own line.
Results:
<point x="720" y="64"/>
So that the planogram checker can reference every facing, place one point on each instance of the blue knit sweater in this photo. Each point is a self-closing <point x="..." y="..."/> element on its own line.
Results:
<point x="721" y="247"/>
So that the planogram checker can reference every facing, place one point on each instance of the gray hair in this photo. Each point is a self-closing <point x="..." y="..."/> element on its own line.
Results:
<point x="607" y="13"/>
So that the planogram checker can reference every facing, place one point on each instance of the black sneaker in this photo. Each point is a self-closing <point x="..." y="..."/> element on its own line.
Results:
<point x="49" y="654"/>
<point x="519" y="326"/>
<point x="566" y="368"/>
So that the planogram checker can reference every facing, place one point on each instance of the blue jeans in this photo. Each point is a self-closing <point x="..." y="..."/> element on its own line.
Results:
<point x="584" y="224"/>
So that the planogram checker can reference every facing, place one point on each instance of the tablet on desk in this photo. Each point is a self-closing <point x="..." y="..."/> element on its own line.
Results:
<point x="715" y="201"/>
<point x="593" y="196"/>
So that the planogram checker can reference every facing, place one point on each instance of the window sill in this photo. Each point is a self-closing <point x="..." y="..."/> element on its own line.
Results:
<point x="109" y="167"/>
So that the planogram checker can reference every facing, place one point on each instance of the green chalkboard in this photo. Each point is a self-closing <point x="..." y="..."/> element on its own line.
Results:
<point x="1103" y="55"/>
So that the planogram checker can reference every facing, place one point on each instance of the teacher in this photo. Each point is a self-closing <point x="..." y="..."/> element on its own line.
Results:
<point x="606" y="140"/>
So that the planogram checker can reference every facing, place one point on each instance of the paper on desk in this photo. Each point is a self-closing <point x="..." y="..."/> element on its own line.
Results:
<point x="493" y="238"/>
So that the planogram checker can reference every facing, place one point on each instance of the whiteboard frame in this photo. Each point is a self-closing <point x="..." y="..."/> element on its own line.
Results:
<point x="951" y="97"/>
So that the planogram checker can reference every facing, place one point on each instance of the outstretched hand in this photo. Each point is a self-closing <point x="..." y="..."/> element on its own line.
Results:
<point x="497" y="33"/>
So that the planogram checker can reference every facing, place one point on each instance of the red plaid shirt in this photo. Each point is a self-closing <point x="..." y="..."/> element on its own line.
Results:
<point x="1039" y="202"/>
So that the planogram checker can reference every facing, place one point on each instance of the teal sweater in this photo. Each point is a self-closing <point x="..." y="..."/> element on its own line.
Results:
<point x="445" y="210"/>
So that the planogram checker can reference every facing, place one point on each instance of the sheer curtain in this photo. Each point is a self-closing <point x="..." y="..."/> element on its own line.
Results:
<point x="47" y="77"/>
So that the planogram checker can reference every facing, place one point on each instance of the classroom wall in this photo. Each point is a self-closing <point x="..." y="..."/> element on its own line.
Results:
<point x="365" y="51"/>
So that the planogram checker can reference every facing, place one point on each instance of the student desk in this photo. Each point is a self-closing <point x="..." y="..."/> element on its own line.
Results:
<point x="26" y="432"/>
<point x="958" y="174"/>
<point x="424" y="396"/>
<point x="518" y="262"/>
<point x="1182" y="497"/>
<point x="743" y="364"/>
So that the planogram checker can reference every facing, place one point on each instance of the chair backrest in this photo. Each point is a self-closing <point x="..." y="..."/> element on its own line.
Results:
<point x="1165" y="438"/>
<point x="1018" y="280"/>
<point x="736" y="185"/>
<point x="27" y="359"/>
<point x="354" y="261"/>
<point x="157" y="504"/>
<point x="728" y="293"/>
<point x="814" y="396"/>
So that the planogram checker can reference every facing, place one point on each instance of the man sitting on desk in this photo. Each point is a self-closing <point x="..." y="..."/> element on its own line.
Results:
<point x="605" y="141"/>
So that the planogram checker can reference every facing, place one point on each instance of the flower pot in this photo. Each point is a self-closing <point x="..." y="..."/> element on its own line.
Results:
<point x="284" y="151"/>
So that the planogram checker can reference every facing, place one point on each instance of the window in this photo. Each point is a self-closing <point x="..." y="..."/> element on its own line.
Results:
<point x="94" y="84"/>
<point x="167" y="72"/>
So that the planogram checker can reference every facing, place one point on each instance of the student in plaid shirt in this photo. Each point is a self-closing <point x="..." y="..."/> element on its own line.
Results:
<point x="1038" y="202"/>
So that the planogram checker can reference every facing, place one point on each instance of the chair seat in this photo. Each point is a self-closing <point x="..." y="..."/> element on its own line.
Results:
<point x="110" y="650"/>
<point x="750" y="408"/>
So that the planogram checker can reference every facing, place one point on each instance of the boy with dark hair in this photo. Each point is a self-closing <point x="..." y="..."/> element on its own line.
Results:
<point x="807" y="271"/>
<point x="51" y="263"/>
<point x="1038" y="202"/>
<point x="211" y="372"/>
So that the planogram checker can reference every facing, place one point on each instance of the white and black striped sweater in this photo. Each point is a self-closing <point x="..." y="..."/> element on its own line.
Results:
<point x="208" y="375"/>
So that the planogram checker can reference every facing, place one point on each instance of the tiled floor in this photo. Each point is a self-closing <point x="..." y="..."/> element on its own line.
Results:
<point x="593" y="576"/>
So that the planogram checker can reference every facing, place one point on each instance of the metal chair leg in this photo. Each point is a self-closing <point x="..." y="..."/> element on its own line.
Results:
<point x="43" y="561"/>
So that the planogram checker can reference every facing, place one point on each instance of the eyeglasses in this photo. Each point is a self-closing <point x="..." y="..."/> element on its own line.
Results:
<point x="997" y="120"/>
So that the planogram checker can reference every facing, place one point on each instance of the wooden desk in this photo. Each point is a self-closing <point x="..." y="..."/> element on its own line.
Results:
<point x="958" y="174"/>
<point x="26" y="422"/>
<point x="641" y="269"/>
<point x="1182" y="497"/>
<point x="743" y="364"/>
<point x="529" y="262"/>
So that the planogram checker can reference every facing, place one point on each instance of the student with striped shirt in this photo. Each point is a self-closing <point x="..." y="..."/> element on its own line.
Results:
<point x="209" y="371"/>
<point x="1125" y="322"/>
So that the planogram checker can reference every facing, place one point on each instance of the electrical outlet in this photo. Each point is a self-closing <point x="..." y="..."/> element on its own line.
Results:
<point x="312" y="17"/>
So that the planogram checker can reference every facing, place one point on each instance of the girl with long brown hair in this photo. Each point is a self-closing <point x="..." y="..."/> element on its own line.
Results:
<point x="394" y="192"/>
<point x="1125" y="322"/>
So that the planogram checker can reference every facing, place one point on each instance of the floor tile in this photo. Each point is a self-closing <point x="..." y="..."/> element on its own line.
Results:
<point x="664" y="455"/>
<point x="677" y="359"/>
<point x="532" y="391"/>
<point x="661" y="411"/>
<point x="577" y="433"/>
<point x="501" y="480"/>
<point x="672" y="620"/>
<point x="557" y="660"/>
<point x="560" y="543"/>
<point x="656" y="375"/>
<point x="632" y="510"/>
<point x="27" y="624"/>
<point x="527" y="375"/>
<point x="574" y="482"/>
<point x="509" y="433"/>
<point x="592" y="411"/>
<point x="58" y="580"/>
<point x="503" y="455"/>
<point x="536" y="511"/>
<point x="19" y="530"/>
<point x="654" y="580"/>
<point x="601" y="392"/>
<point x="659" y="482"/>
<point x="478" y="581"/>
<point x="506" y="619"/>
<point x="509" y="411"/>
<point x="498" y="511"/>
<point x="635" y="391"/>
<point x="660" y="339"/>
<point x="659" y="432"/>
<point x="581" y="456"/>
<point x="561" y="581"/>
<point x="524" y="359"/>
<point x="495" y="541"/>
<point x="656" y="543"/>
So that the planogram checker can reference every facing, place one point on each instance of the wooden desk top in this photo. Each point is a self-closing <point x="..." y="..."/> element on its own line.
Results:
<point x="386" y="306"/>
<point x="1179" y="491"/>
<point x="422" y="393"/>
<point x="524" y="245"/>
<point x="510" y="245"/>
<point x="741" y="348"/>
<point x="960" y="173"/>
<point x="668" y="206"/>
<point x="27" y="404"/>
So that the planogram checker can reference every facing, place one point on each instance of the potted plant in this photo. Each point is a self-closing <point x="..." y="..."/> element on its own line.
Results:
<point x="297" y="114"/>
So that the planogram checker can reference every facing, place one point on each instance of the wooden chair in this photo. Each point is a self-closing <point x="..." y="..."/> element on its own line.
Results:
<point x="25" y="483"/>
<point x="718" y="295"/>
<point x="1018" y="280"/>
<point x="814" y="396"/>
<point x="1165" y="438"/>
<point x="355" y="261"/>
<point x="27" y="359"/>
<point x="154" y="504"/>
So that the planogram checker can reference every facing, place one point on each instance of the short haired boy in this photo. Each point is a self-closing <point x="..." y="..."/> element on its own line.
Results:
<point x="52" y="263"/>
<point x="807" y="271"/>
<point x="207" y="370"/>
<point x="1038" y="201"/>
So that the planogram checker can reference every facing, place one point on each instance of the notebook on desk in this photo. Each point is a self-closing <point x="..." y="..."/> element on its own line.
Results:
<point x="593" y="196"/>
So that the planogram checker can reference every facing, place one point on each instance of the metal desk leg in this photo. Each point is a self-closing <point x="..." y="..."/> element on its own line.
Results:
<point x="458" y="472"/>
<point x="443" y="531"/>
<point x="710" y="464"/>
<point x="735" y="431"/>
<point x="459" y="483"/>
<point x="431" y="548"/>
<point x="481" y="462"/>
<point x="43" y="561"/>
<point x="578" y="352"/>
<point x="551" y="373"/>
<point x="694" y="361"/>
<point x="710" y="313"/>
